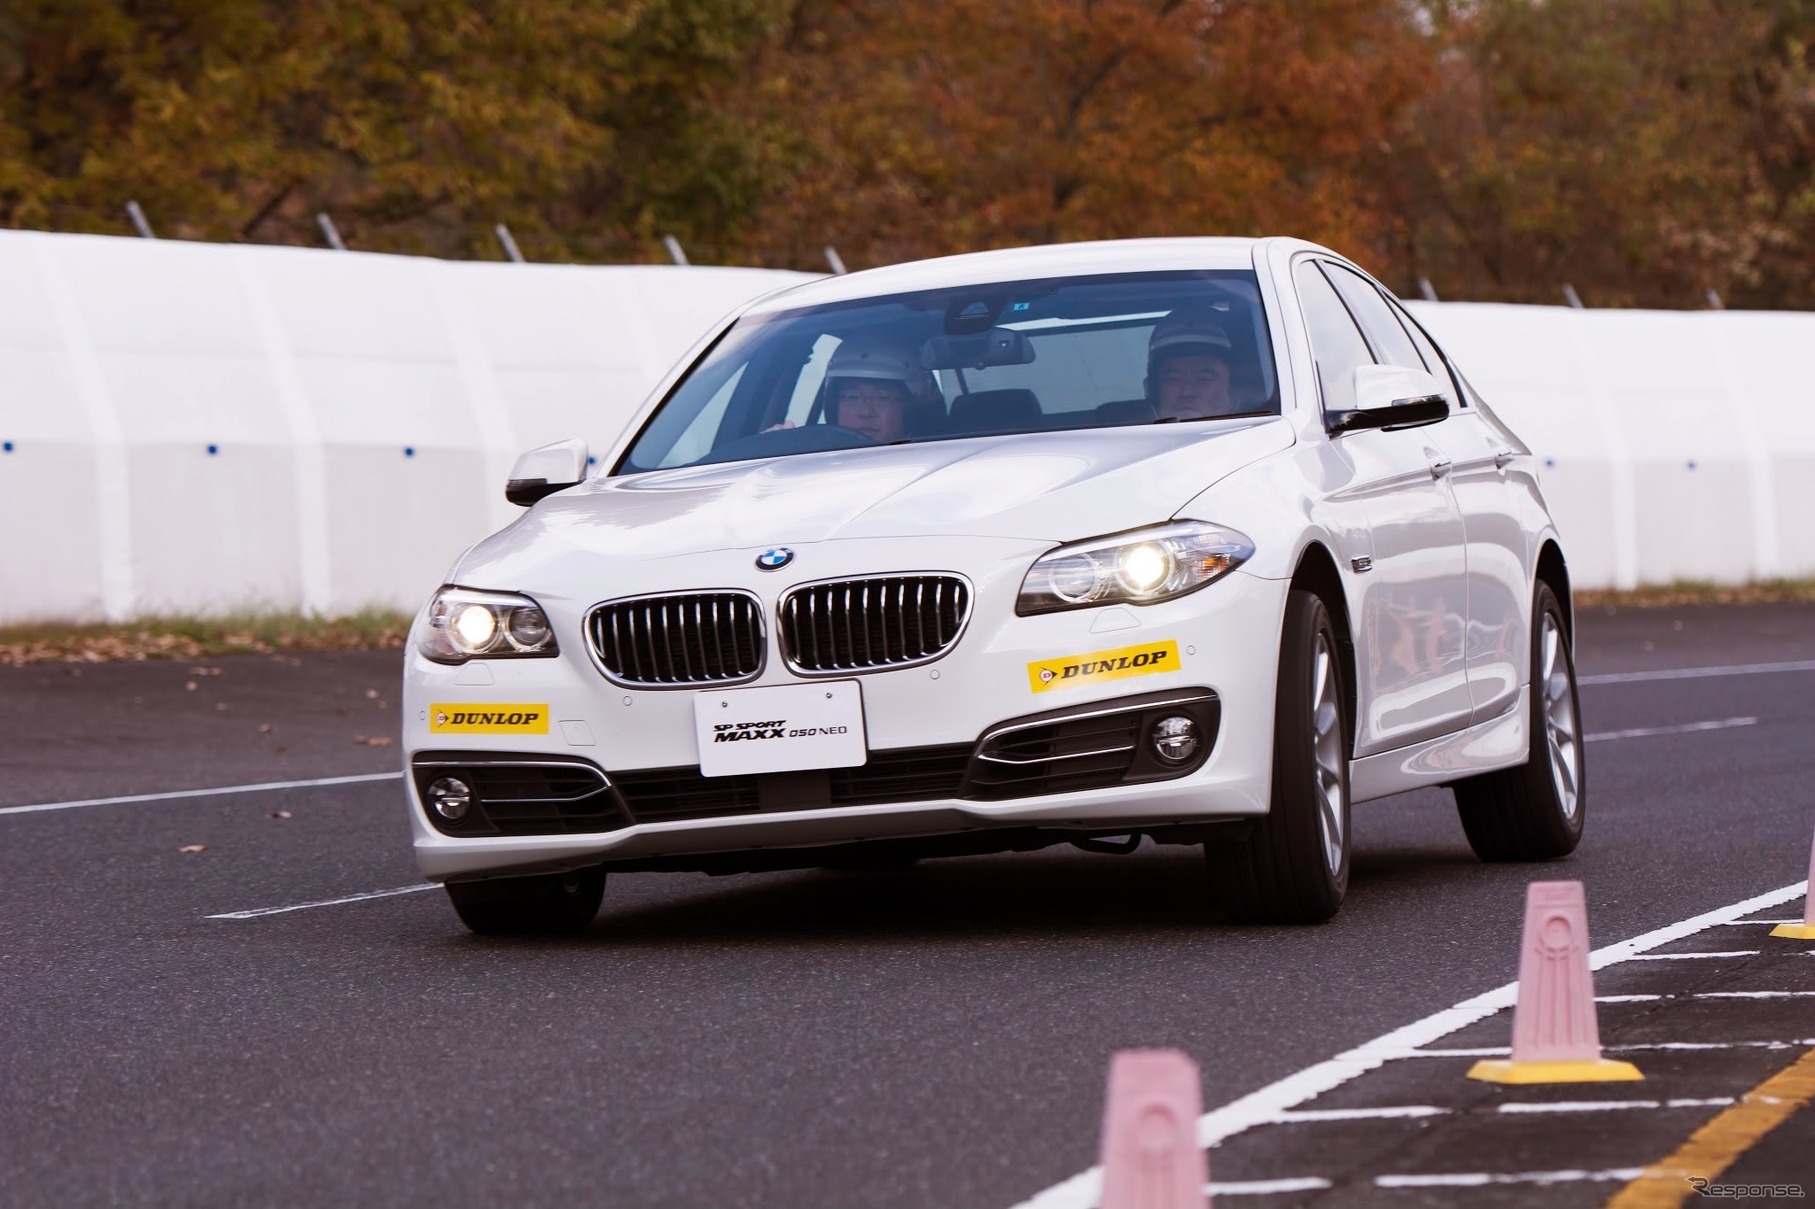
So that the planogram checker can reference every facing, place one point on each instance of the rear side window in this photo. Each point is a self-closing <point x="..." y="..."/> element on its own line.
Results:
<point x="1391" y="345"/>
<point x="1433" y="358"/>
<point x="1336" y="343"/>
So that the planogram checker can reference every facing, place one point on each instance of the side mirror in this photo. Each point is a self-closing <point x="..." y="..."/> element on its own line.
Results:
<point x="542" y="472"/>
<point x="1390" y="396"/>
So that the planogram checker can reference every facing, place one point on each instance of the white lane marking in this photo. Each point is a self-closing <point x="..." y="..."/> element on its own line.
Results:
<point x="204" y="793"/>
<point x="1613" y="1105"/>
<point x="1748" y="923"/>
<point x="1698" y="673"/>
<point x="1481" y="1179"/>
<point x="1687" y="728"/>
<point x="1082" y="1191"/>
<point x="1309" y="1116"/>
<point x="1754" y="994"/>
<point x="1626" y="998"/>
<point x="328" y="902"/>
<point x="1701" y="1045"/>
<point x="1483" y="1051"/>
<point x="1265" y="1187"/>
<point x="1690" y="956"/>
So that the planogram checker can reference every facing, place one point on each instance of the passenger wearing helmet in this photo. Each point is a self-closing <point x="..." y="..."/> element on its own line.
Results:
<point x="876" y="390"/>
<point x="1188" y="366"/>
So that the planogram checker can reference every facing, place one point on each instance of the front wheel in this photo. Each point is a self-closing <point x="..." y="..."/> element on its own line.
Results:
<point x="545" y="905"/>
<point x="1534" y="812"/>
<point x="1294" y="867"/>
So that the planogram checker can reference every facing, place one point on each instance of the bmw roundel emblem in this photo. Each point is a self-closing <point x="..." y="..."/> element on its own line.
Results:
<point x="776" y="559"/>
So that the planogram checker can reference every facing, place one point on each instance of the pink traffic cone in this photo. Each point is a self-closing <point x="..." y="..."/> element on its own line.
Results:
<point x="1806" y="929"/>
<point x="1555" y="1036"/>
<point x="1151" y="1159"/>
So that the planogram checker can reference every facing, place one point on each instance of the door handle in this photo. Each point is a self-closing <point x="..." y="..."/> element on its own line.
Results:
<point x="1502" y="457"/>
<point x="1439" y="467"/>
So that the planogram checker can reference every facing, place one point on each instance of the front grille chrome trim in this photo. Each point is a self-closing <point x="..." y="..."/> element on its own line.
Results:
<point x="698" y="629"/>
<point x="803" y="628"/>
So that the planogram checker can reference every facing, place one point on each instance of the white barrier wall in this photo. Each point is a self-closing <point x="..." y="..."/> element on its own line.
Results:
<point x="201" y="427"/>
<point x="1674" y="444"/>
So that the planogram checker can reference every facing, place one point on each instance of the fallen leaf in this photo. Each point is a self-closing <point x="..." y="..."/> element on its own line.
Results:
<point x="282" y="814"/>
<point x="189" y="686"/>
<point x="372" y="694"/>
<point x="193" y="848"/>
<point x="264" y="728"/>
<point x="279" y="750"/>
<point x="222" y="705"/>
<point x="372" y="740"/>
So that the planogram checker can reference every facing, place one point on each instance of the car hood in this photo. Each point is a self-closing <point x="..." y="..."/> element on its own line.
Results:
<point x="1052" y="486"/>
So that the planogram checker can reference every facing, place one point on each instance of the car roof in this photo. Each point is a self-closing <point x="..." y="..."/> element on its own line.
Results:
<point x="1019" y="264"/>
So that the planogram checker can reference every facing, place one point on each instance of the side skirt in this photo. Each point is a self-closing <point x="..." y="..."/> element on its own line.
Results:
<point x="1502" y="742"/>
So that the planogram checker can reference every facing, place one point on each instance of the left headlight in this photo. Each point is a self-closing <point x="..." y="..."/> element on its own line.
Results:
<point x="466" y="624"/>
<point x="1143" y="567"/>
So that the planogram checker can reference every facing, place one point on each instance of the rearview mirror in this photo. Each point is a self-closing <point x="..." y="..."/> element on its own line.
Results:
<point x="1391" y="396"/>
<point x="542" y="472"/>
<point x="997" y="346"/>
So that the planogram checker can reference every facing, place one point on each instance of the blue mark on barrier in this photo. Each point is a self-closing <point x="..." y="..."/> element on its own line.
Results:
<point x="591" y="460"/>
<point x="1550" y="463"/>
<point x="1692" y="463"/>
<point x="409" y="451"/>
<point x="6" y="446"/>
<point x="213" y="449"/>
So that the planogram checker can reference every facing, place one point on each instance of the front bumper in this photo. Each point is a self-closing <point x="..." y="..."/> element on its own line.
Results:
<point x="927" y="729"/>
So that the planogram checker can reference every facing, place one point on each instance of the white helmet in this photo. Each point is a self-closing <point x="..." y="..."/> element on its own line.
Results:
<point x="878" y="362"/>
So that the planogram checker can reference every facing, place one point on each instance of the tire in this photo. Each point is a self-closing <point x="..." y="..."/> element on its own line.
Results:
<point x="1535" y="812"/>
<point x="545" y="905"/>
<point x="1294" y="866"/>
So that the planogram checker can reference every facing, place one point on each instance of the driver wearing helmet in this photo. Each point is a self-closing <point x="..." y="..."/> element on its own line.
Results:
<point x="1188" y="370"/>
<point x="878" y="391"/>
<point x="874" y="389"/>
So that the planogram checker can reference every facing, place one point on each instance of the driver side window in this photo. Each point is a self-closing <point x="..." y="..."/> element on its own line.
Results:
<point x="1336" y="343"/>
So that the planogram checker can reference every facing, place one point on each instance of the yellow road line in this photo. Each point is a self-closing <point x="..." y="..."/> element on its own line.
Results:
<point x="1715" y="1147"/>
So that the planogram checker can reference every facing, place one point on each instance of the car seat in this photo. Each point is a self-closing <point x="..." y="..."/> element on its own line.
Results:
<point x="987" y="411"/>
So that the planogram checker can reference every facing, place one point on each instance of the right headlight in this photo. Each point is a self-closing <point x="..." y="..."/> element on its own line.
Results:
<point x="1143" y="567"/>
<point x="467" y="624"/>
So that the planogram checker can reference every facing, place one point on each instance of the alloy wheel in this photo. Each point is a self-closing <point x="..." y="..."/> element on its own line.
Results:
<point x="1326" y="747"/>
<point x="1560" y="726"/>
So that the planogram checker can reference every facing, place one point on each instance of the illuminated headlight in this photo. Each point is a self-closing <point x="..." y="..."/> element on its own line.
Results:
<point x="1144" y="567"/>
<point x="464" y="624"/>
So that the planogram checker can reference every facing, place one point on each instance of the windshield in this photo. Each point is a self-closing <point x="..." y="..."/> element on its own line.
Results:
<point x="970" y="361"/>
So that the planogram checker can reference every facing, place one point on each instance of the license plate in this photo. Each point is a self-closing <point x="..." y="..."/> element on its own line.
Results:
<point x="780" y="729"/>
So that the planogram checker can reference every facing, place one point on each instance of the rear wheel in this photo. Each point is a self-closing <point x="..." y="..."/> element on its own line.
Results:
<point x="1534" y="812"/>
<point x="1294" y="867"/>
<point x="545" y="905"/>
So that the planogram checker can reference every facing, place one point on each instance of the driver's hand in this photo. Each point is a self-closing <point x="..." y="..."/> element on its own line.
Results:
<point x="780" y="426"/>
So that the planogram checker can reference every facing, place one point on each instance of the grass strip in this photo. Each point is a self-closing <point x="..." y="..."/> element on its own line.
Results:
<point x="180" y="637"/>
<point x="1699" y="592"/>
<point x="183" y="637"/>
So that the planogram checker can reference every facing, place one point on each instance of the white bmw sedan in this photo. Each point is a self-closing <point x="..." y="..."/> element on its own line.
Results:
<point x="1194" y="540"/>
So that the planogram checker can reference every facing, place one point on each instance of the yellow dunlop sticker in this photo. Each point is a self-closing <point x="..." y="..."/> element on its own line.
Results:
<point x="468" y="719"/>
<point x="1070" y="671"/>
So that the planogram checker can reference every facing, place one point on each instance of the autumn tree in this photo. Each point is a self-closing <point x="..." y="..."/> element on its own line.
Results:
<point x="979" y="123"/>
<point x="415" y="122"/>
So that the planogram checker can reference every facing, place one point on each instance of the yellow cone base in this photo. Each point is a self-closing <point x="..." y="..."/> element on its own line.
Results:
<point x="1795" y="931"/>
<point x="1603" y="1070"/>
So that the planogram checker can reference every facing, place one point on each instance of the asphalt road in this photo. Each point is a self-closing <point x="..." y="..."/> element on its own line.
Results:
<point x="932" y="1038"/>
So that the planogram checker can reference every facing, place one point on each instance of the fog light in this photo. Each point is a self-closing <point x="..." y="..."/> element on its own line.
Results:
<point x="1175" y="739"/>
<point x="451" y="798"/>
